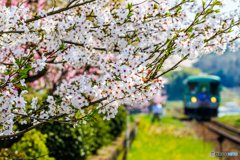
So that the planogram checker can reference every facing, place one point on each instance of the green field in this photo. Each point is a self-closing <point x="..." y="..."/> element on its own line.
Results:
<point x="174" y="104"/>
<point x="228" y="95"/>
<point x="233" y="120"/>
<point x="170" y="140"/>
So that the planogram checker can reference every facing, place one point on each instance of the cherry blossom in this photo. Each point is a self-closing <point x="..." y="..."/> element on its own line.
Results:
<point x="127" y="44"/>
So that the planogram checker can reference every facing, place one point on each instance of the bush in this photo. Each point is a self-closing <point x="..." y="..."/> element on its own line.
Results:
<point x="31" y="146"/>
<point x="118" y="124"/>
<point x="66" y="142"/>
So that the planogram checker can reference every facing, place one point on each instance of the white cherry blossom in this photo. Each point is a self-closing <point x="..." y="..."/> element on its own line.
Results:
<point x="129" y="44"/>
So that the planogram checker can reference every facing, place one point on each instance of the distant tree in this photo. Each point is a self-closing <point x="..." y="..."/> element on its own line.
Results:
<point x="225" y="66"/>
<point x="175" y="86"/>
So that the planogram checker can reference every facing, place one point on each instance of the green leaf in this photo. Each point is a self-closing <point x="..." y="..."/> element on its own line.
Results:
<point x="136" y="40"/>
<point x="198" y="13"/>
<point x="192" y="36"/>
<point x="208" y="11"/>
<point x="217" y="3"/>
<point x="178" y="8"/>
<point x="31" y="55"/>
<point x="167" y="14"/>
<point x="117" y="79"/>
<point x="217" y="10"/>
<point x="96" y="111"/>
<point x="14" y="80"/>
<point x="56" y="99"/>
<point x="230" y="30"/>
<point x="7" y="72"/>
<point x="17" y="61"/>
<point x="130" y="14"/>
<point x="130" y="6"/>
<point x="202" y="21"/>
<point x="190" y="29"/>
<point x="23" y="76"/>
<point x="88" y="116"/>
<point x="78" y="114"/>
<point x="93" y="83"/>
<point x="62" y="46"/>
<point x="149" y="85"/>
<point x="203" y="3"/>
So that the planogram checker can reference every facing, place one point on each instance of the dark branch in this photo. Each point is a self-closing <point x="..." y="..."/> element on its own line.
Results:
<point x="32" y="127"/>
<point x="35" y="77"/>
<point x="58" y="11"/>
<point x="172" y="68"/>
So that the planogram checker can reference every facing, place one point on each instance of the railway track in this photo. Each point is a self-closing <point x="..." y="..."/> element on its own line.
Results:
<point x="224" y="131"/>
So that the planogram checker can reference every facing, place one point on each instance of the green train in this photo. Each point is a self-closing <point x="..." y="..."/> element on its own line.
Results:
<point x="202" y="96"/>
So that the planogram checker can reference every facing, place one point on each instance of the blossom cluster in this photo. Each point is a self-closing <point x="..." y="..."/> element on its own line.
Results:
<point x="140" y="39"/>
<point x="41" y="3"/>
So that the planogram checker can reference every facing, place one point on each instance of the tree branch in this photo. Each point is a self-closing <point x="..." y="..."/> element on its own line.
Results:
<point x="172" y="68"/>
<point x="96" y="48"/>
<point x="70" y="3"/>
<point x="30" y="128"/>
<point x="58" y="11"/>
<point x="35" y="77"/>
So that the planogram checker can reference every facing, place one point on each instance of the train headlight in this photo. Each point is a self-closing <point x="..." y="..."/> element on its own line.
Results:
<point x="194" y="99"/>
<point x="213" y="99"/>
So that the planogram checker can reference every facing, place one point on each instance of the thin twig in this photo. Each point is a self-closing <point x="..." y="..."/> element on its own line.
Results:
<point x="172" y="68"/>
<point x="70" y="3"/>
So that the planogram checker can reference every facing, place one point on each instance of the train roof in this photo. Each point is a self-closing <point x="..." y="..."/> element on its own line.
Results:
<point x="203" y="78"/>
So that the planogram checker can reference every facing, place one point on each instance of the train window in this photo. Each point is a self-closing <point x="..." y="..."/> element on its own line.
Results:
<point x="192" y="87"/>
<point x="214" y="87"/>
<point x="203" y="88"/>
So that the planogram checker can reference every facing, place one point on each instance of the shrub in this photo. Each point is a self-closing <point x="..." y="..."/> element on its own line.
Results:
<point x="32" y="145"/>
<point x="66" y="142"/>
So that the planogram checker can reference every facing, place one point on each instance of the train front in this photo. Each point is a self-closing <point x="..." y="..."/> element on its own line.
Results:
<point x="202" y="96"/>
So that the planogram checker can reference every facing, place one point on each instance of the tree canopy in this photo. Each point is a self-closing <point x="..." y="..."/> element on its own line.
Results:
<point x="225" y="66"/>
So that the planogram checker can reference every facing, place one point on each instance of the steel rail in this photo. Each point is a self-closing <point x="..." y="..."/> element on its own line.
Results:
<point x="225" y="126"/>
<point x="222" y="133"/>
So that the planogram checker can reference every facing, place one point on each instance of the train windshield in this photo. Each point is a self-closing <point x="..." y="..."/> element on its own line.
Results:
<point x="192" y="87"/>
<point x="214" y="87"/>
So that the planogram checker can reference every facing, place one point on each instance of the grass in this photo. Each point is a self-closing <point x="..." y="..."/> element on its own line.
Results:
<point x="233" y="120"/>
<point x="174" y="104"/>
<point x="228" y="95"/>
<point x="170" y="140"/>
